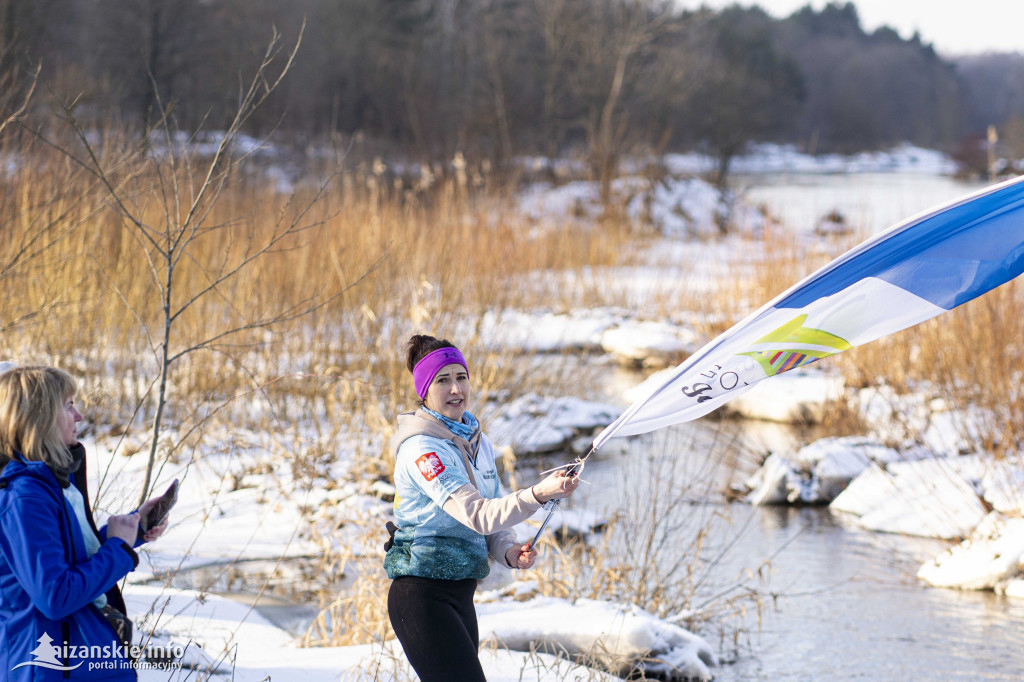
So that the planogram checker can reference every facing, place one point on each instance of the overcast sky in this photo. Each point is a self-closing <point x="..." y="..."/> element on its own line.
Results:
<point x="954" y="27"/>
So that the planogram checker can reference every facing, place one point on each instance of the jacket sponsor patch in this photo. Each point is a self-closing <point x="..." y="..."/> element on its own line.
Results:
<point x="430" y="465"/>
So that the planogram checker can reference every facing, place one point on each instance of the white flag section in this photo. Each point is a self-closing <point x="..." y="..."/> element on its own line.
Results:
<point x="910" y="273"/>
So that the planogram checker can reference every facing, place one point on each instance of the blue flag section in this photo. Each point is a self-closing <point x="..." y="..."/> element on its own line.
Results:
<point x="915" y="270"/>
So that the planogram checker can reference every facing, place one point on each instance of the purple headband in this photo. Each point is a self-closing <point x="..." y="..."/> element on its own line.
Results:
<point x="430" y="364"/>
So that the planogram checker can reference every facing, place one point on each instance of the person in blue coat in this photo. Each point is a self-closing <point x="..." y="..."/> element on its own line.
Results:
<point x="61" y="614"/>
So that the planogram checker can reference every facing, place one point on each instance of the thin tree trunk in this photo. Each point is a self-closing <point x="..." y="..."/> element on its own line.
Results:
<point x="165" y="366"/>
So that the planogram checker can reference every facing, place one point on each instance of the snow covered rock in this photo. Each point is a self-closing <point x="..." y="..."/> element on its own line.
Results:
<point x="681" y="208"/>
<point x="991" y="557"/>
<point x="546" y="332"/>
<point x="793" y="397"/>
<point x="1002" y="486"/>
<point x="919" y="417"/>
<point x="817" y="473"/>
<point x="534" y="423"/>
<point x="651" y="344"/>
<point x="620" y="637"/>
<point x="929" y="498"/>
<point x="771" y="483"/>
<point x="835" y="462"/>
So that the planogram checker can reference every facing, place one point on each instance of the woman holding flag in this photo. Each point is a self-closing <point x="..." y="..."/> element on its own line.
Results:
<point x="451" y="514"/>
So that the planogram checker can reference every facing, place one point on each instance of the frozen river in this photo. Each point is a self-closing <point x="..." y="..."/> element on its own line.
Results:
<point x="868" y="201"/>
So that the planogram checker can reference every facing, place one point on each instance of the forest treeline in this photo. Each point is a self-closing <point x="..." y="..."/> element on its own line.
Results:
<point x="497" y="79"/>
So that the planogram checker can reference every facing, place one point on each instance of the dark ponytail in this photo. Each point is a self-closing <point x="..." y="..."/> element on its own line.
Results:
<point x="421" y="345"/>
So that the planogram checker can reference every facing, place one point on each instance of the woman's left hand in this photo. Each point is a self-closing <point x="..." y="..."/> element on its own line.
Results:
<point x="521" y="556"/>
<point x="156" y="531"/>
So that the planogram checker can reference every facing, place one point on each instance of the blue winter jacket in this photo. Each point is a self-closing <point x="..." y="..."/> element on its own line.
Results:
<point x="49" y="628"/>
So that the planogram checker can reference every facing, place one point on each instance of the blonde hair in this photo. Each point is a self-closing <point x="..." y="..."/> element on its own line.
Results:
<point x="31" y="398"/>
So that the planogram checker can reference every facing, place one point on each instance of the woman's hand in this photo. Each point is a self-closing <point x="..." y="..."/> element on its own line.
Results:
<point x="124" y="527"/>
<point x="521" y="556"/>
<point x="156" y="531"/>
<point x="557" y="486"/>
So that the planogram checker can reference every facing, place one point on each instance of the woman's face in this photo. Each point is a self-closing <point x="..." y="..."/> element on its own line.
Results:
<point x="67" y="420"/>
<point x="449" y="392"/>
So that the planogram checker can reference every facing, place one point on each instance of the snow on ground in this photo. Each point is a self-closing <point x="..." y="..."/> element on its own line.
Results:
<point x="545" y="201"/>
<point x="677" y="207"/>
<point x="234" y="642"/>
<point x="546" y="332"/>
<point x="691" y="207"/>
<point x="234" y="503"/>
<point x="241" y="505"/>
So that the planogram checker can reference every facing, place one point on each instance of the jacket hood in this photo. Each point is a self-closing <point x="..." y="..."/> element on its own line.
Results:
<point x="17" y="467"/>
<point x="62" y="476"/>
<point x="420" y="423"/>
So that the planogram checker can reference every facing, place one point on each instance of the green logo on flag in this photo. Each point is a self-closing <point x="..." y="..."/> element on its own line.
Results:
<point x="781" y="360"/>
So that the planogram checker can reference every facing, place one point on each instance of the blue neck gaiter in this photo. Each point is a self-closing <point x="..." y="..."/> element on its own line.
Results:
<point x="464" y="429"/>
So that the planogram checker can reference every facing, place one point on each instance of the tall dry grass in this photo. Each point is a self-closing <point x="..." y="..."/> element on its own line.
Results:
<point x="369" y="266"/>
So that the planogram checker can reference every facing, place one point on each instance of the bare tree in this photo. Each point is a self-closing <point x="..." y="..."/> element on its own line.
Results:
<point x="557" y="21"/>
<point x="17" y="109"/>
<point x="611" y="68"/>
<point x="748" y="91"/>
<point x="170" y="53"/>
<point x="172" y="237"/>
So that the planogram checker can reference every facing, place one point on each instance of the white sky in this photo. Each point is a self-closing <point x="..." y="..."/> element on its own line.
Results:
<point x="954" y="27"/>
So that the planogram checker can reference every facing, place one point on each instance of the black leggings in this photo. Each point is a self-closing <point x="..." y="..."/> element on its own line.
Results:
<point x="435" y="621"/>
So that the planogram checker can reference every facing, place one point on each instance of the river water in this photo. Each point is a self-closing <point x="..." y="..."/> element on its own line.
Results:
<point x="839" y="602"/>
<point x="842" y="603"/>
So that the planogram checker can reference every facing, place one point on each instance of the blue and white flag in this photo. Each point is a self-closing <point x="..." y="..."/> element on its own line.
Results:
<point x="920" y="268"/>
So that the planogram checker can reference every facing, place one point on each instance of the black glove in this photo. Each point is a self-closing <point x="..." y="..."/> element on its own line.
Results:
<point x="392" y="529"/>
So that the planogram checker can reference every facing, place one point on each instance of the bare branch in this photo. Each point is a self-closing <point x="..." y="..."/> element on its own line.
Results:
<point x="20" y="111"/>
